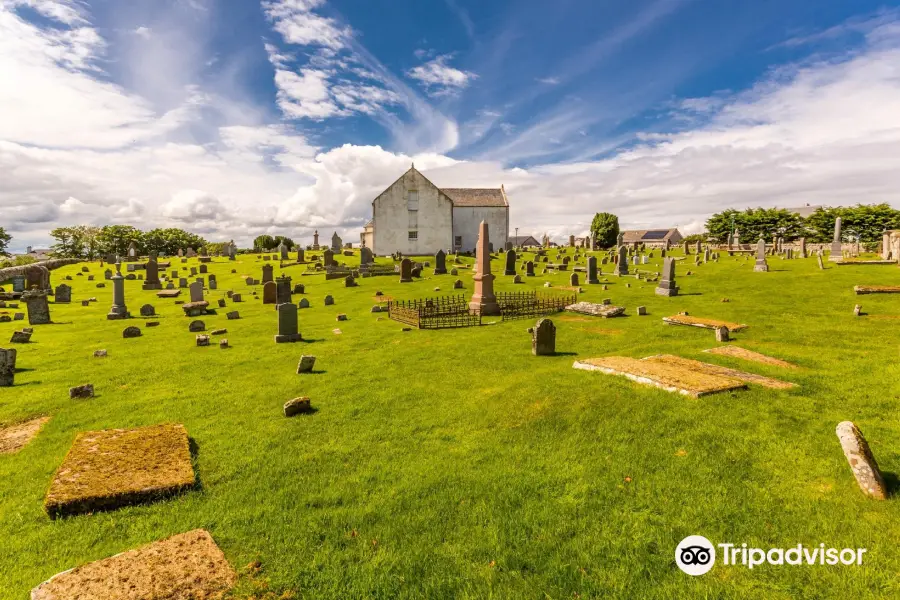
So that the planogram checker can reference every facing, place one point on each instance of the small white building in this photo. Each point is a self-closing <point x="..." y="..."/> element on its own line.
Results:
<point x="415" y="217"/>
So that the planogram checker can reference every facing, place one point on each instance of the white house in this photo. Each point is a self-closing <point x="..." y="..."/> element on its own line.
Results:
<point x="415" y="217"/>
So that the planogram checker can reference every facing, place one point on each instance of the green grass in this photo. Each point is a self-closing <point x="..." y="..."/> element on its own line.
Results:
<point x="454" y="464"/>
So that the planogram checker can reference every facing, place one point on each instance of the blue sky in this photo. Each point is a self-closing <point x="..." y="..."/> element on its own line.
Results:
<point x="283" y="116"/>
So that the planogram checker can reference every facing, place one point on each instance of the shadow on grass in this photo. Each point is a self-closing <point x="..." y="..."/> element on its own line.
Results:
<point x="692" y="294"/>
<point x="309" y="341"/>
<point x="891" y="482"/>
<point x="23" y="370"/>
<point x="27" y="383"/>
<point x="194" y="449"/>
<point x="565" y="354"/>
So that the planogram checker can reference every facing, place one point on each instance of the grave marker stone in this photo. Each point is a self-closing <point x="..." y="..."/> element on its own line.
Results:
<point x="287" y="324"/>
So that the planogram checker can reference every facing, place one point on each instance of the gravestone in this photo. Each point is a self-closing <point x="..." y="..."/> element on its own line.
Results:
<point x="336" y="243"/>
<point x="819" y="260"/>
<point x="301" y="255"/>
<point x="510" y="263"/>
<point x="196" y="326"/>
<point x="529" y="269"/>
<point x="147" y="310"/>
<point x="287" y="324"/>
<point x="233" y="315"/>
<point x="836" y="255"/>
<point x="329" y="300"/>
<point x="36" y="276"/>
<point x="440" y="263"/>
<point x="131" y="332"/>
<point x="722" y="334"/>
<point x="306" y="364"/>
<point x="573" y="280"/>
<point x="761" y="265"/>
<point x="38" y="308"/>
<point x="196" y="292"/>
<point x="204" y="269"/>
<point x="622" y="264"/>
<point x="304" y="303"/>
<point x="297" y="406"/>
<point x="592" y="270"/>
<point x="151" y="281"/>
<point x="328" y="258"/>
<point x="182" y="282"/>
<point x="270" y="293"/>
<point x="267" y="272"/>
<point x="483" y="301"/>
<point x="406" y="271"/>
<point x="283" y="251"/>
<point x="213" y="283"/>
<point x="63" y="294"/>
<point x="282" y="290"/>
<point x="862" y="461"/>
<point x="543" y="338"/>
<point x="7" y="367"/>
<point x="666" y="286"/>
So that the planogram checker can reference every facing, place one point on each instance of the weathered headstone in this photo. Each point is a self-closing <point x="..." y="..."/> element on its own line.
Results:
<point x="836" y="255"/>
<point x="406" y="271"/>
<point x="440" y="263"/>
<point x="151" y="281"/>
<point x="666" y="286"/>
<point x="761" y="265"/>
<point x="297" y="406"/>
<point x="306" y="364"/>
<point x="510" y="263"/>
<point x="63" y="294"/>
<point x="147" y="310"/>
<point x="287" y="324"/>
<point x="543" y="338"/>
<point x="270" y="293"/>
<point x="622" y="263"/>
<point x="529" y="269"/>
<point x="131" y="332"/>
<point x="592" y="270"/>
<point x="38" y="308"/>
<point x="722" y="334"/>
<point x="862" y="461"/>
<point x="267" y="273"/>
<point x="7" y="367"/>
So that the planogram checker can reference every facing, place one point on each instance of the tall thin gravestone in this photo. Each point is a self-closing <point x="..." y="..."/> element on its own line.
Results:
<point x="761" y="265"/>
<point x="7" y="367"/>
<point x="835" y="255"/>
<point x="622" y="264"/>
<point x="666" y="286"/>
<point x="118" y="309"/>
<point x="592" y="270"/>
<point x="510" y="263"/>
<point x="405" y="271"/>
<point x="483" y="301"/>
<point x="440" y="263"/>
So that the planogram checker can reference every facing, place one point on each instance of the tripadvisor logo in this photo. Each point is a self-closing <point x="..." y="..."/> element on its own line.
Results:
<point x="696" y="555"/>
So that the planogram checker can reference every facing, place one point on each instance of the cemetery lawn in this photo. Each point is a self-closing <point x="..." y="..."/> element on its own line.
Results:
<point x="453" y="463"/>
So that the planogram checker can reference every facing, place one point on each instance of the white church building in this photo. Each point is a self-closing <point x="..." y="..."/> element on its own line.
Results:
<point x="415" y="217"/>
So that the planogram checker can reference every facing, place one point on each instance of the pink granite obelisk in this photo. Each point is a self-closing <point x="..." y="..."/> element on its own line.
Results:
<point x="484" y="302"/>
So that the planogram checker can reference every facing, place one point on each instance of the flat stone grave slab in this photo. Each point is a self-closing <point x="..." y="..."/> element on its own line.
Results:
<point x="672" y="378"/>
<point x="876" y="289"/>
<point x="116" y="467"/>
<point x="711" y="369"/>
<point x="195" y="309"/>
<point x="597" y="310"/>
<point x="701" y="322"/>
<point x="16" y="436"/>
<point x="188" y="565"/>
<point x="168" y="293"/>
<point x="742" y="353"/>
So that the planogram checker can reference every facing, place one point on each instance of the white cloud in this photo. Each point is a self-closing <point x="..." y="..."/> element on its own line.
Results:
<point x="304" y="95"/>
<point x="297" y="24"/>
<point x="440" y="78"/>
<point x="548" y="80"/>
<point x="143" y="32"/>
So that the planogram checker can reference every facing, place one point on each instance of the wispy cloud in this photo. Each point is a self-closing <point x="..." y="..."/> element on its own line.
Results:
<point x="439" y="78"/>
<point x="463" y="15"/>
<point x="548" y="80"/>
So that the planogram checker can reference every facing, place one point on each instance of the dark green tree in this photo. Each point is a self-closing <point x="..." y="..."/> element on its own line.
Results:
<point x="867" y="222"/>
<point x="5" y="238"/>
<point x="287" y="242"/>
<point x="605" y="229"/>
<point x="754" y="223"/>
<point x="264" y="242"/>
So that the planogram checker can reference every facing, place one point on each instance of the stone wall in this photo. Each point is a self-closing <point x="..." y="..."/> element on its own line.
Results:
<point x="8" y="273"/>
<point x="467" y="219"/>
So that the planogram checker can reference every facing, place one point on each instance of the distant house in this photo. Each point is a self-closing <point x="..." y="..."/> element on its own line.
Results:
<point x="651" y="237"/>
<point x="523" y="241"/>
<point x="37" y="253"/>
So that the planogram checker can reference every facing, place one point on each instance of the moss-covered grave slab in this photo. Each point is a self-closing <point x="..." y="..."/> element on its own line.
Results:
<point x="117" y="467"/>
<point x="717" y="371"/>
<point x="702" y="322"/>
<point x="744" y="354"/>
<point x="16" y="436"/>
<point x="596" y="310"/>
<point x="672" y="378"/>
<point x="185" y="566"/>
<point x="876" y="289"/>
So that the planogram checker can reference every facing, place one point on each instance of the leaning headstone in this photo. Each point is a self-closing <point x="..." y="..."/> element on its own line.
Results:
<point x="819" y="261"/>
<point x="287" y="324"/>
<point x="7" y="367"/>
<point x="20" y="337"/>
<point x="306" y="364"/>
<point x="722" y="334"/>
<point x="233" y="315"/>
<point x="862" y="461"/>
<point x="543" y="338"/>
<point x="63" y="294"/>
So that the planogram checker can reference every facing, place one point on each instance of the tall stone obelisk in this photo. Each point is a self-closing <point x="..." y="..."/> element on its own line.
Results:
<point x="484" y="302"/>
<point x="836" y="254"/>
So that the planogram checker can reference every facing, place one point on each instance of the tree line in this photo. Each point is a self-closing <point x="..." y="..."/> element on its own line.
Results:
<point x="90" y="242"/>
<point x="865" y="223"/>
